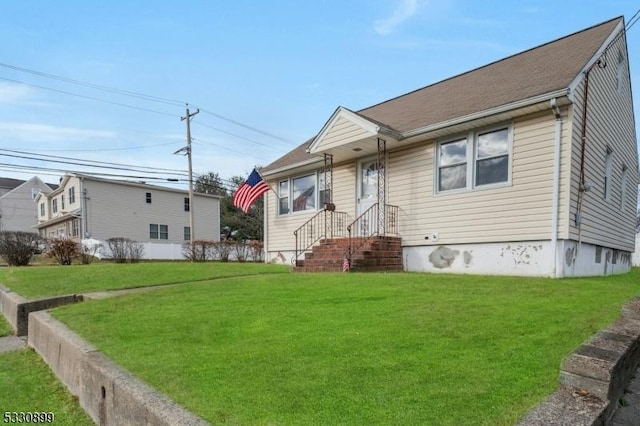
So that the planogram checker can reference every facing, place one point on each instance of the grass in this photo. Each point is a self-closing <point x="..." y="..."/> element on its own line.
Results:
<point x="29" y="386"/>
<point x="354" y="348"/>
<point x="5" y="328"/>
<point x="41" y="281"/>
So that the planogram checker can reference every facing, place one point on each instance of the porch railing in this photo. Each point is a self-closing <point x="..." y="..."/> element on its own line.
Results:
<point x="370" y="224"/>
<point x="326" y="223"/>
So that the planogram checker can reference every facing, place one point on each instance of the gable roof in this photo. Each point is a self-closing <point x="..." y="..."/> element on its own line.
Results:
<point x="545" y="69"/>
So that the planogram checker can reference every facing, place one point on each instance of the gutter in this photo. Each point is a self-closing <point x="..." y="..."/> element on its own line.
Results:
<point x="555" y="206"/>
<point x="488" y="112"/>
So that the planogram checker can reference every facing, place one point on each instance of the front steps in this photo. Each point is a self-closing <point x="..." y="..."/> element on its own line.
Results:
<point x="373" y="254"/>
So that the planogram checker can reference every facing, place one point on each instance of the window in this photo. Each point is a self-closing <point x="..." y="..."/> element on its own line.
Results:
<point x="304" y="196"/>
<point x="158" y="232"/>
<point x="452" y="172"/>
<point x="54" y="205"/>
<point x="72" y="195"/>
<point x="41" y="209"/>
<point x="34" y="193"/>
<point x="62" y="202"/>
<point x="324" y="189"/>
<point x="490" y="150"/>
<point x="186" y="204"/>
<point x="148" y="197"/>
<point x="608" y="160"/>
<point x="283" y="197"/>
<point x="187" y="233"/>
<point x="492" y="157"/>
<point x="75" y="228"/>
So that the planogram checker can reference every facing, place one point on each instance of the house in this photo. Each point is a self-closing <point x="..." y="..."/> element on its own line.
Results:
<point x="87" y="207"/>
<point x="525" y="166"/>
<point x="16" y="203"/>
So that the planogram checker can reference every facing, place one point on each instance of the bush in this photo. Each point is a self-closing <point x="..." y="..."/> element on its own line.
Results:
<point x="63" y="250"/>
<point x="222" y="250"/>
<point x="123" y="249"/>
<point x="202" y="250"/>
<point x="88" y="253"/>
<point x="17" y="248"/>
<point x="256" y="250"/>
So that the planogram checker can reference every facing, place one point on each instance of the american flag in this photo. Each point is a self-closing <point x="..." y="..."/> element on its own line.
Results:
<point x="300" y="203"/>
<point x="345" y="264"/>
<point x="249" y="191"/>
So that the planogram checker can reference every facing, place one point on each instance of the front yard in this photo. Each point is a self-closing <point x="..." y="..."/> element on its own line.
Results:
<point x="399" y="348"/>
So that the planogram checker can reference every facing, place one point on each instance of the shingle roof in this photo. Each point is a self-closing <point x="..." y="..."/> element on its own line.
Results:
<point x="544" y="69"/>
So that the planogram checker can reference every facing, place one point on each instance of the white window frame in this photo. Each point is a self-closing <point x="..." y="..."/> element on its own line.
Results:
<point x="186" y="233"/>
<point x="472" y="159"/>
<point x="316" y="194"/>
<point x="158" y="232"/>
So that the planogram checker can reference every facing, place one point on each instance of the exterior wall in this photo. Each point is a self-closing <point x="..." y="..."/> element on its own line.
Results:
<point x="342" y="132"/>
<point x="610" y="123"/>
<point x="18" y="211"/>
<point x="115" y="210"/>
<point x="521" y="211"/>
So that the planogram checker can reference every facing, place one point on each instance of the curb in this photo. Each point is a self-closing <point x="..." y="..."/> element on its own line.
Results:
<point x="593" y="378"/>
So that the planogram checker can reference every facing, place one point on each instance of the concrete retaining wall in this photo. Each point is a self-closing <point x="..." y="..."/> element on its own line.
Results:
<point x="16" y="309"/>
<point x="109" y="394"/>
<point x="593" y="378"/>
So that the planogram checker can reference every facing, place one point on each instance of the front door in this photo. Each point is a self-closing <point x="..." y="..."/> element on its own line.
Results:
<point x="367" y="184"/>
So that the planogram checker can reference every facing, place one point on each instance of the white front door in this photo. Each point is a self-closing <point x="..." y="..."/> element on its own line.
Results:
<point x="367" y="192"/>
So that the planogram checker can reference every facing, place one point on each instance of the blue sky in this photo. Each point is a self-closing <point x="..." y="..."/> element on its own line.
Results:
<point x="266" y="75"/>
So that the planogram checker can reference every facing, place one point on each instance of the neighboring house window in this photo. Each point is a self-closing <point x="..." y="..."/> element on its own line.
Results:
<point x="72" y="195"/>
<point x="148" y="197"/>
<point x="283" y="197"/>
<point x="62" y="202"/>
<point x="75" y="228"/>
<point x="186" y="204"/>
<point x="623" y="186"/>
<point x="619" y="71"/>
<point x="34" y="193"/>
<point x="490" y="150"/>
<point x="608" y="160"/>
<point x="158" y="232"/>
<point x="187" y="233"/>
<point x="41" y="209"/>
<point x="304" y="196"/>
<point x="54" y="205"/>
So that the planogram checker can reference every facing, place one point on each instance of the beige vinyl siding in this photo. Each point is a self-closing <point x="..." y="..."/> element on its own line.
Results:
<point x="281" y="228"/>
<point x="343" y="132"/>
<point x="517" y="212"/>
<point x="610" y="123"/>
<point x="115" y="210"/>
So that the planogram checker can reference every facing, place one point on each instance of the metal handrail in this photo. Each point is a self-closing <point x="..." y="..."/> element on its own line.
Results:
<point x="370" y="224"/>
<point x="327" y="223"/>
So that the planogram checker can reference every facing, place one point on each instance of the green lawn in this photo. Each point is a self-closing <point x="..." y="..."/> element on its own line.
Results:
<point x="5" y="328"/>
<point x="40" y="281"/>
<point x="354" y="348"/>
<point x="28" y="386"/>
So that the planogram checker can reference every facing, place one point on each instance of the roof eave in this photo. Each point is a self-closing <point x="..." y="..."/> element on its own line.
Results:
<point x="486" y="113"/>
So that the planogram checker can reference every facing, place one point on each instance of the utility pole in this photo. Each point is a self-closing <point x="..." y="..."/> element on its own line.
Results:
<point x="187" y="118"/>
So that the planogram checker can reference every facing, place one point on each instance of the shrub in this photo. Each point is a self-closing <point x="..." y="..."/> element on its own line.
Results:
<point x="241" y="250"/>
<point x="63" y="250"/>
<point x="256" y="250"/>
<point x="123" y="249"/>
<point x="17" y="248"/>
<point x="202" y="250"/>
<point x="222" y="250"/>
<point x="88" y="253"/>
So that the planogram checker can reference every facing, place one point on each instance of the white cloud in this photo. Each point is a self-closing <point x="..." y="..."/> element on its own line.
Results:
<point x="403" y="11"/>
<point x="18" y="94"/>
<point x="33" y="132"/>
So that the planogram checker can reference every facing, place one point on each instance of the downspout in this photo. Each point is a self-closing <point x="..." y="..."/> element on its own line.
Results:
<point x="265" y="226"/>
<point x="555" y="207"/>
<point x="582" y="188"/>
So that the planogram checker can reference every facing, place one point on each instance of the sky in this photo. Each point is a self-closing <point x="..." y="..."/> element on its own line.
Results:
<point x="108" y="83"/>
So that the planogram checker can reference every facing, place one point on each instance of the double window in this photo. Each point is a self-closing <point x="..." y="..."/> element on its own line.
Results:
<point x="158" y="232"/>
<point x="475" y="160"/>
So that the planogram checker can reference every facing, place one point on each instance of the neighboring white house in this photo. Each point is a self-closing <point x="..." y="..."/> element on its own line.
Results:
<point x="86" y="207"/>
<point x="16" y="203"/>
<point x="525" y="166"/>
